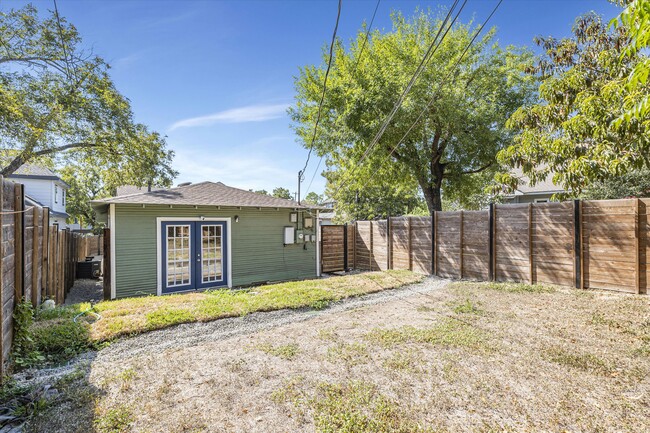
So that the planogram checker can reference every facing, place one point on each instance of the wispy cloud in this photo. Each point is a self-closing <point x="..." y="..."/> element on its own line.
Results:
<point x="251" y="113"/>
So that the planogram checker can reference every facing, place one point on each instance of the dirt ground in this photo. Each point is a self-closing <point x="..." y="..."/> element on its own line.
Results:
<point x="465" y="357"/>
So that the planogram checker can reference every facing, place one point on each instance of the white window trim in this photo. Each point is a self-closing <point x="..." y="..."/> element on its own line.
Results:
<point x="318" y="240"/>
<point x="160" y="220"/>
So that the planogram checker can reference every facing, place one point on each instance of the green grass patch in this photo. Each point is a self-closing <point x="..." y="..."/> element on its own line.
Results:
<point x="116" y="420"/>
<point x="358" y="407"/>
<point x="448" y="332"/>
<point x="348" y="353"/>
<point x="466" y="307"/>
<point x="503" y="287"/>
<point x="284" y="351"/>
<point x="136" y="315"/>
<point x="579" y="360"/>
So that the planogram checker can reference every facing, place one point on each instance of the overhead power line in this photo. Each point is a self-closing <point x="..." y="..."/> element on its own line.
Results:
<point x="435" y="43"/>
<point x="356" y="65"/>
<point x="437" y="92"/>
<point x="322" y="98"/>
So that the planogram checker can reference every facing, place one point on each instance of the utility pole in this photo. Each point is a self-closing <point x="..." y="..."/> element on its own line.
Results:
<point x="299" y="181"/>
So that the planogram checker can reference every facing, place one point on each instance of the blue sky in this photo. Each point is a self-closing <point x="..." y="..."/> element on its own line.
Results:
<point x="216" y="76"/>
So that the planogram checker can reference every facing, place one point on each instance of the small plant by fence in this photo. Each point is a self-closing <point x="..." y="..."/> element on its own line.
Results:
<point x="587" y="244"/>
<point x="38" y="259"/>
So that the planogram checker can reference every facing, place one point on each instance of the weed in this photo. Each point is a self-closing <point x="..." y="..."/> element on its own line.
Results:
<point x="24" y="351"/>
<point x="320" y="304"/>
<point x="358" y="407"/>
<point x="284" y="351"/>
<point x="582" y="361"/>
<point x="449" y="332"/>
<point x="327" y="334"/>
<point x="61" y="339"/>
<point x="290" y="392"/>
<point x="466" y="307"/>
<point x="116" y="420"/>
<point x="518" y="287"/>
<point x="401" y="361"/>
<point x="349" y="353"/>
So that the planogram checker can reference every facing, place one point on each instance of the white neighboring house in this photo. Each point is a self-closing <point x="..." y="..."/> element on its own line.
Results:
<point x="539" y="193"/>
<point x="44" y="188"/>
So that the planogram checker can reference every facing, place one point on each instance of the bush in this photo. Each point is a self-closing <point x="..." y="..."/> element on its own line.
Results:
<point x="24" y="353"/>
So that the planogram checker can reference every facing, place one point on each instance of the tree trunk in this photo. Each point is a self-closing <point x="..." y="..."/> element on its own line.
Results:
<point x="432" y="196"/>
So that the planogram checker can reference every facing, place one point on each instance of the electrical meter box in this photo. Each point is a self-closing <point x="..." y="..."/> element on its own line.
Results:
<point x="300" y="236"/>
<point x="289" y="235"/>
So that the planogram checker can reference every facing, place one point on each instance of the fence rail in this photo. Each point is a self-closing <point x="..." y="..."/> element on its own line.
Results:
<point x="599" y="244"/>
<point x="38" y="259"/>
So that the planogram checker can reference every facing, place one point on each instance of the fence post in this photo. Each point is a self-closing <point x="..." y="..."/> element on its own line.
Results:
<point x="637" y="245"/>
<point x="577" y="244"/>
<point x="19" y="241"/>
<point x="460" y="243"/>
<point x="409" y="244"/>
<point x="530" y="244"/>
<point x="433" y="242"/>
<point x="345" y="247"/>
<point x="490" y="241"/>
<point x="493" y="242"/>
<point x="354" y="245"/>
<point x="35" y="262"/>
<point x="372" y="252"/>
<point x="389" y="245"/>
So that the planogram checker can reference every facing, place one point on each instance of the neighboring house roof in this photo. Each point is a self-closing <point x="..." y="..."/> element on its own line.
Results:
<point x="30" y="201"/>
<point x="545" y="186"/>
<point x="327" y="215"/>
<point x="132" y="189"/>
<point x="35" y="171"/>
<point x="204" y="194"/>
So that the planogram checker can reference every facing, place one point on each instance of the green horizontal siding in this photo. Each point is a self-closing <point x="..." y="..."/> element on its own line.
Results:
<point x="257" y="252"/>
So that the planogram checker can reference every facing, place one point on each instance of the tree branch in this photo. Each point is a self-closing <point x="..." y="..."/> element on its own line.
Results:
<point x="478" y="170"/>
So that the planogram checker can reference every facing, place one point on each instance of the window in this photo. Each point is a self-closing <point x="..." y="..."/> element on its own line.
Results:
<point x="541" y="200"/>
<point x="56" y="194"/>
<point x="63" y="197"/>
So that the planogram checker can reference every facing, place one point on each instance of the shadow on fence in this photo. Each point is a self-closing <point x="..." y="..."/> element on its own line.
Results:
<point x="586" y="244"/>
<point x="38" y="259"/>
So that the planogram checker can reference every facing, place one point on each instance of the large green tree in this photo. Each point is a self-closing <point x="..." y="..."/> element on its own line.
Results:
<point x="59" y="106"/>
<point x="572" y="132"/>
<point x="459" y="134"/>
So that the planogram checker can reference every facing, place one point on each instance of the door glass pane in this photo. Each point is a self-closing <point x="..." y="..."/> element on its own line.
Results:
<point x="211" y="269"/>
<point x="178" y="255"/>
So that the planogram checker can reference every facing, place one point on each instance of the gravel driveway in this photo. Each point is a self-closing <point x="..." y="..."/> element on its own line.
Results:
<point x="192" y="334"/>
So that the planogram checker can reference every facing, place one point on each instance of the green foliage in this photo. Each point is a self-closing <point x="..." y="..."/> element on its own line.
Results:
<point x="115" y="420"/>
<point x="261" y="191"/>
<point x="59" y="107"/>
<point x="633" y="184"/>
<point x="61" y="339"/>
<point x="24" y="350"/>
<point x="635" y="19"/>
<point x="167" y="317"/>
<point x="313" y="198"/>
<point x="516" y="287"/>
<point x="571" y="133"/>
<point x="459" y="134"/>
<point x="280" y="192"/>
<point x="284" y="351"/>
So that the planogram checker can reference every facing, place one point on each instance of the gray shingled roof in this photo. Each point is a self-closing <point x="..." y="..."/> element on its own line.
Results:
<point x="203" y="194"/>
<point x="132" y="189"/>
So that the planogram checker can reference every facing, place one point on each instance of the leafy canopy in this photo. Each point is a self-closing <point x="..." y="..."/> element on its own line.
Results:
<point x="459" y="134"/>
<point x="59" y="107"/>
<point x="572" y="134"/>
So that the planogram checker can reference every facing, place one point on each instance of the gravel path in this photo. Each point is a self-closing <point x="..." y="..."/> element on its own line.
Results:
<point x="85" y="290"/>
<point x="192" y="334"/>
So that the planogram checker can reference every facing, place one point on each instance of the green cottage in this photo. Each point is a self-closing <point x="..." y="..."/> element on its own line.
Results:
<point x="206" y="235"/>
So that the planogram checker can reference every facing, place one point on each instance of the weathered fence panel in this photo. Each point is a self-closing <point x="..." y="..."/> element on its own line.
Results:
<point x="38" y="261"/>
<point x="587" y="244"/>
<point x="333" y="248"/>
<point x="476" y="245"/>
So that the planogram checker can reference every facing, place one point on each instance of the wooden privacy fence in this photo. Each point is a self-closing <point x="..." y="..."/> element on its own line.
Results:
<point x="586" y="244"/>
<point x="38" y="259"/>
<point x="88" y="245"/>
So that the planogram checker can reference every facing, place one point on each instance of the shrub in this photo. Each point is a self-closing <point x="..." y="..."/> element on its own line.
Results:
<point x="61" y="339"/>
<point x="24" y="353"/>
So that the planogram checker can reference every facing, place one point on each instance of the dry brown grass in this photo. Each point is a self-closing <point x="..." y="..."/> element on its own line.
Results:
<point x="470" y="357"/>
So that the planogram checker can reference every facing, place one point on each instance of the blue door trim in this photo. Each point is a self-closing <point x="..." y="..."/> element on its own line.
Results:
<point x="195" y="269"/>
